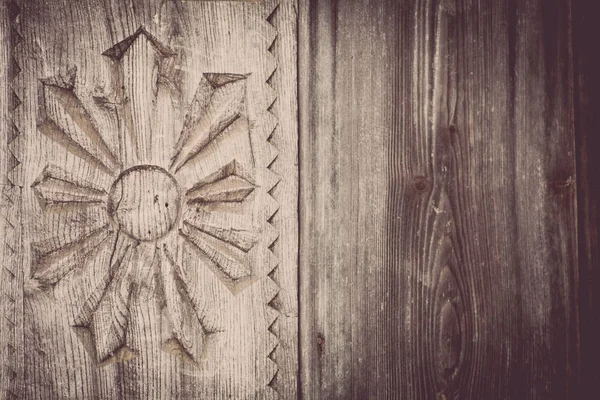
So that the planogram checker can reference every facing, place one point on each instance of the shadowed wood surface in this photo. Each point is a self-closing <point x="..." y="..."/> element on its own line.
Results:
<point x="439" y="250"/>
<point x="587" y="123"/>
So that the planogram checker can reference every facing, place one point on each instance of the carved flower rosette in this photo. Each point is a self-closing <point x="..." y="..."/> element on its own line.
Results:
<point x="148" y="190"/>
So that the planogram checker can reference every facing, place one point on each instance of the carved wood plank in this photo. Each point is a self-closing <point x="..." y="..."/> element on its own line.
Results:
<point x="150" y="202"/>
<point x="438" y="215"/>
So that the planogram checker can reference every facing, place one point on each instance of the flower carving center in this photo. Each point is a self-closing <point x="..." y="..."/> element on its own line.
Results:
<point x="145" y="202"/>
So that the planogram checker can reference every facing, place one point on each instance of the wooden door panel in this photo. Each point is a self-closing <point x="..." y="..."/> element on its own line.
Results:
<point x="150" y="200"/>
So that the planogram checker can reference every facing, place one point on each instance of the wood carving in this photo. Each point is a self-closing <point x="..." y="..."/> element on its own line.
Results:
<point x="151" y="202"/>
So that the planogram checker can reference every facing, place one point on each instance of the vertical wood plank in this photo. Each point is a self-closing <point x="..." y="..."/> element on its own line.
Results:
<point x="343" y="49"/>
<point x="456" y="278"/>
<point x="4" y="124"/>
<point x="545" y="187"/>
<point x="158" y="142"/>
<point x="587" y="122"/>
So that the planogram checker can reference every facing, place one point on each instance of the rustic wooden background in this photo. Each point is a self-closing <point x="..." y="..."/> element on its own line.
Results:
<point x="443" y="160"/>
<point x="449" y="194"/>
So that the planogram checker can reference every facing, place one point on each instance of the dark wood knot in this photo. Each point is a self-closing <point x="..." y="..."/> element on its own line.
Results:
<point x="421" y="184"/>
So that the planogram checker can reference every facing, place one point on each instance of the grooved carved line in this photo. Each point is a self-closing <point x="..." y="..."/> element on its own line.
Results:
<point x="150" y="208"/>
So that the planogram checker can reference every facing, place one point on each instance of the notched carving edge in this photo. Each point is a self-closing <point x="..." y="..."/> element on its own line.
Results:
<point x="118" y="50"/>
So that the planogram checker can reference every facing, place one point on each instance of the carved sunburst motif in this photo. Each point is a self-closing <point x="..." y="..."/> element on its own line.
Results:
<point x="150" y="210"/>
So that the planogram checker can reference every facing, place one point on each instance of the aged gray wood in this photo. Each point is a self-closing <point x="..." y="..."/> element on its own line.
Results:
<point x="345" y="111"/>
<point x="152" y="149"/>
<point x="438" y="210"/>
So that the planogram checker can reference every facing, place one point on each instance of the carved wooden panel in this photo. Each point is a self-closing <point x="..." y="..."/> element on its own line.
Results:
<point x="149" y="200"/>
<point x="166" y="208"/>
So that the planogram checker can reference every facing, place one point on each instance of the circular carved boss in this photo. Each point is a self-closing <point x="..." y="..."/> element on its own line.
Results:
<point x="145" y="202"/>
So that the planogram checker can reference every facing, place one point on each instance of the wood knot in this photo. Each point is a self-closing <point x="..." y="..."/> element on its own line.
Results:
<point x="421" y="184"/>
<point x="449" y="329"/>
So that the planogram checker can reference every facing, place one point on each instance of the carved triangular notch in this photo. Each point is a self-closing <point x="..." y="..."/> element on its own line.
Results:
<point x="14" y="101"/>
<point x="13" y="10"/>
<point x="118" y="50"/>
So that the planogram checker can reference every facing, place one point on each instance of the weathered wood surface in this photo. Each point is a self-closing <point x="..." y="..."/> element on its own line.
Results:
<point x="448" y="199"/>
<point x="149" y="200"/>
<point x="439" y="253"/>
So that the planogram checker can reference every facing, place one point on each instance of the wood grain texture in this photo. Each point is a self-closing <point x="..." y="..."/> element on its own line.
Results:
<point x="156" y="157"/>
<point x="438" y="200"/>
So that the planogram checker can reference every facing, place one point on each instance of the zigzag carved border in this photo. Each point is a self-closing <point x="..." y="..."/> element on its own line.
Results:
<point x="10" y="204"/>
<point x="273" y="229"/>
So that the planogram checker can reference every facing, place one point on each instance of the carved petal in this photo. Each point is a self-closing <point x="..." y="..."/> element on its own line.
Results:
<point x="187" y="335"/>
<point x="56" y="186"/>
<point x="229" y="189"/>
<point x="111" y="317"/>
<point x="241" y="238"/>
<point x="68" y="227"/>
<point x="70" y="124"/>
<point x="121" y="249"/>
<point x="226" y="185"/>
<point x="230" y="260"/>
<point x="103" y="319"/>
<point x="52" y="266"/>
<point x="75" y="234"/>
<point x="217" y="104"/>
